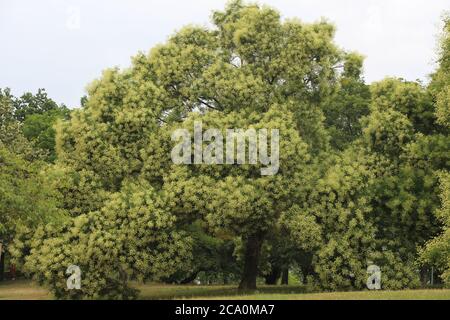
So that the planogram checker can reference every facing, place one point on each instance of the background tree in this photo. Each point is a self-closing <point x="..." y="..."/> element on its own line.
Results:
<point x="29" y="104"/>
<point x="32" y="117"/>
<point x="382" y="191"/>
<point x="11" y="136"/>
<point x="40" y="130"/>
<point x="350" y="102"/>
<point x="436" y="252"/>
<point x="26" y="199"/>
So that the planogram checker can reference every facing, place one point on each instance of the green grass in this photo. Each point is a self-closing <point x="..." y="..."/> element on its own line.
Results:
<point x="26" y="290"/>
<point x="359" y="295"/>
<point x="161" y="291"/>
<point x="22" y="290"/>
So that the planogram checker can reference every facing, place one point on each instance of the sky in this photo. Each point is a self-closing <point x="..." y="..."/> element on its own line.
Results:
<point x="62" y="45"/>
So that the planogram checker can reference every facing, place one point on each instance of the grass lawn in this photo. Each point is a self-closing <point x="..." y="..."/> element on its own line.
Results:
<point x="162" y="291"/>
<point x="22" y="290"/>
<point x="434" y="294"/>
<point x="26" y="290"/>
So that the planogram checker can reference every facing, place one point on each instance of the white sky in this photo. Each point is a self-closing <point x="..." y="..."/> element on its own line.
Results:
<point x="62" y="45"/>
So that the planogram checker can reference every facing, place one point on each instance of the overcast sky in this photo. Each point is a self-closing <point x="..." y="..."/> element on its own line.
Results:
<point x="63" y="45"/>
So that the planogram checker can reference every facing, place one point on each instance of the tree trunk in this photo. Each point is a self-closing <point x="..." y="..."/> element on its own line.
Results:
<point x="225" y="278"/>
<point x="424" y="276"/>
<point x="251" y="260"/>
<point x="274" y="275"/>
<point x="285" y="277"/>
<point x="189" y="279"/>
<point x="2" y="266"/>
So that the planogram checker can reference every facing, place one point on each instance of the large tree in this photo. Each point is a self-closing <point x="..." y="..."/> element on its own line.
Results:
<point x="251" y="70"/>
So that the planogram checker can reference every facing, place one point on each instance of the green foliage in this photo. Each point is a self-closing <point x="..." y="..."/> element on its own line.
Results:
<point x="433" y="151"/>
<point x="443" y="107"/>
<point x="409" y="98"/>
<point x="237" y="199"/>
<point x="29" y="104"/>
<point x="213" y="257"/>
<point x="132" y="237"/>
<point x="387" y="132"/>
<point x="11" y="136"/>
<point x="39" y="128"/>
<point x="440" y="84"/>
<point x="25" y="197"/>
<point x="340" y="201"/>
<point x="437" y="251"/>
<point x="348" y="104"/>
<point x="27" y="124"/>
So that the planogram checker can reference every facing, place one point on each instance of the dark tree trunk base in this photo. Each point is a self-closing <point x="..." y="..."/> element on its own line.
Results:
<point x="252" y="253"/>
<point x="2" y="266"/>
<point x="285" y="277"/>
<point x="273" y="277"/>
<point x="190" y="278"/>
